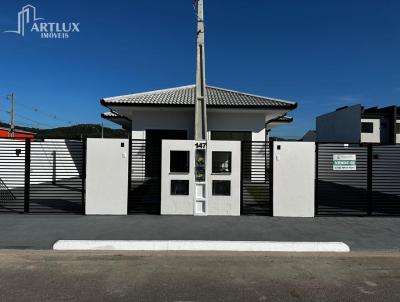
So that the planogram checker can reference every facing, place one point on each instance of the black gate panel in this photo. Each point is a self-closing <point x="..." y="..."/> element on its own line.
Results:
<point x="12" y="176"/>
<point x="341" y="192"/>
<point x="145" y="185"/>
<point x="144" y="195"/>
<point x="56" y="176"/>
<point x="256" y="179"/>
<point x="42" y="176"/>
<point x="386" y="180"/>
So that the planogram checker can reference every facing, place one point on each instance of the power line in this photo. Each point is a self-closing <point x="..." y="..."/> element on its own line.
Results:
<point x="44" y="113"/>
<point x="31" y="120"/>
<point x="27" y="118"/>
<point x="37" y="110"/>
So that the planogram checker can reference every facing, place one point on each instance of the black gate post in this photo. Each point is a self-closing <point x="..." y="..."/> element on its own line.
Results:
<point x="316" y="182"/>
<point x="270" y="145"/>
<point x="84" y="146"/>
<point x="241" y="177"/>
<point x="369" y="180"/>
<point x="129" y="170"/>
<point x="27" y="174"/>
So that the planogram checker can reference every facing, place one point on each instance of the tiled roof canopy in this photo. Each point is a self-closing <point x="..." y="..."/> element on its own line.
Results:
<point x="185" y="96"/>
<point x="110" y="115"/>
<point x="283" y="119"/>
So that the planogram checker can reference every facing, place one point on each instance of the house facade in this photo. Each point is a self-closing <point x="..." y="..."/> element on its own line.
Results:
<point x="186" y="150"/>
<point x="231" y="115"/>
<point x="163" y="177"/>
<point x="356" y="124"/>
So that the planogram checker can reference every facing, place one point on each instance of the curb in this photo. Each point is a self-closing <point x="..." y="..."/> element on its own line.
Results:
<point x="199" y="245"/>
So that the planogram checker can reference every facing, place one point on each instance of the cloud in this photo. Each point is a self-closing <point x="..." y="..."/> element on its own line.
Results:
<point x="347" y="99"/>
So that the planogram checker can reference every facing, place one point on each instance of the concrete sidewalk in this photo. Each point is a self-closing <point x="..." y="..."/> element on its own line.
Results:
<point x="42" y="231"/>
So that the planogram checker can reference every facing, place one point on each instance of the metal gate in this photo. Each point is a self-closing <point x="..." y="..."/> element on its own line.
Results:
<point x="12" y="176"/>
<point x="371" y="188"/>
<point x="385" y="180"/>
<point x="144" y="194"/>
<point x="42" y="176"/>
<point x="56" y="177"/>
<point x="256" y="180"/>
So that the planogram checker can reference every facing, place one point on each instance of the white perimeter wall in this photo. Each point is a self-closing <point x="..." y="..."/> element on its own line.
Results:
<point x="224" y="205"/>
<point x="293" y="179"/>
<point x="107" y="176"/>
<point x="184" y="204"/>
<point x="176" y="204"/>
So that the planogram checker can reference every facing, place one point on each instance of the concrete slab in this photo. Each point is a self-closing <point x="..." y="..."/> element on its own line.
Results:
<point x="42" y="231"/>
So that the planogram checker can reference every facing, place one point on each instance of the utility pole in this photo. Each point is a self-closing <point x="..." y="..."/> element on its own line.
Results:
<point x="102" y="130"/>
<point x="200" y="132"/>
<point x="12" y="123"/>
<point x="201" y="94"/>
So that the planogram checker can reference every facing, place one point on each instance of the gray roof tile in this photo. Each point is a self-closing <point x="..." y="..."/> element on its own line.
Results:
<point x="185" y="96"/>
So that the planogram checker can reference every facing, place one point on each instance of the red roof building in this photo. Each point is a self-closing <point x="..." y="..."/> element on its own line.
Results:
<point x="18" y="134"/>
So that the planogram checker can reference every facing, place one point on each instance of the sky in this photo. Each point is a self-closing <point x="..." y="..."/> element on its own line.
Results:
<point x="322" y="54"/>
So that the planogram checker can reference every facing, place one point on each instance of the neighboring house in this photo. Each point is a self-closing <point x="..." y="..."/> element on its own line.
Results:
<point x="310" y="136"/>
<point x="18" y="134"/>
<point x="356" y="124"/>
<point x="169" y="114"/>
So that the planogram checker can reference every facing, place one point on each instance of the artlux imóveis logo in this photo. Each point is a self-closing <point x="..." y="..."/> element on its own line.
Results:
<point x="29" y="22"/>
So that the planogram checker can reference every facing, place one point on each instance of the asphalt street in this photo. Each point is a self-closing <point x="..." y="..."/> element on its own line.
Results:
<point x="76" y="276"/>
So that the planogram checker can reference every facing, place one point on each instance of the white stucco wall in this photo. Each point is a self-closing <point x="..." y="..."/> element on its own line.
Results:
<point x="182" y="119"/>
<point x="340" y="126"/>
<point x="176" y="204"/>
<point x="178" y="119"/>
<point x="185" y="204"/>
<point x="107" y="176"/>
<point x="293" y="179"/>
<point x="237" y="121"/>
<point x="374" y="137"/>
<point x="224" y="205"/>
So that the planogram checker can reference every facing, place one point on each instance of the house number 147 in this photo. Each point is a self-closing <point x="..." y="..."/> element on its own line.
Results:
<point x="201" y="145"/>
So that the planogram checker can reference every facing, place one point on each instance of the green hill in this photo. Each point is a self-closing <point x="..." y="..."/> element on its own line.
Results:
<point x="76" y="131"/>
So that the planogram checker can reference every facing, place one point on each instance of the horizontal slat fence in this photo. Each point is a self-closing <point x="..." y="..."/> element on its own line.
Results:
<point x="256" y="179"/>
<point x="144" y="196"/>
<point x="12" y="175"/>
<point x="373" y="188"/>
<point x="386" y="180"/>
<point x="56" y="176"/>
<point x="41" y="176"/>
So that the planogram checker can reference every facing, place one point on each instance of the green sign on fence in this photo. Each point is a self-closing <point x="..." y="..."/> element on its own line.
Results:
<point x="344" y="162"/>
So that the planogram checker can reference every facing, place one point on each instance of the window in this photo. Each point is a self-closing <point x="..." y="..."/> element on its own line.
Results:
<point x="221" y="187"/>
<point x="221" y="162"/>
<point x="179" y="162"/>
<point x="398" y="127"/>
<point x="367" y="127"/>
<point x="179" y="187"/>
